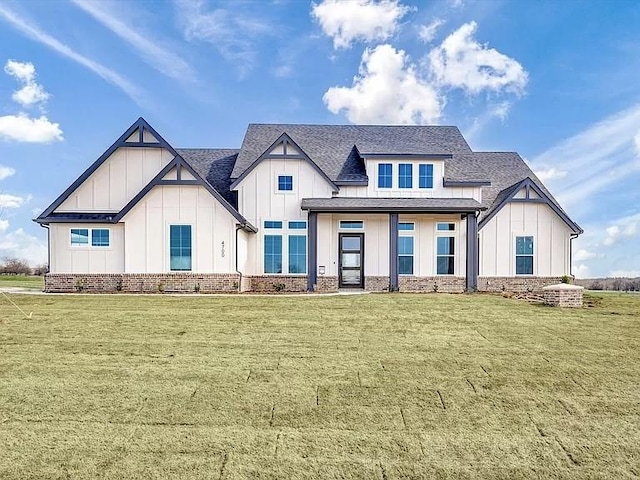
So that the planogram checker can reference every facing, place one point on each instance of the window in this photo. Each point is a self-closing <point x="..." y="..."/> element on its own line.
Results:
<point x="272" y="224"/>
<point x="80" y="237"/>
<point x="445" y="256"/>
<point x="404" y="226"/>
<point x="273" y="254"/>
<point x="405" y="255"/>
<point x="425" y="175"/>
<point x="100" y="237"/>
<point x="285" y="183"/>
<point x="405" y="175"/>
<point x="446" y="227"/>
<point x="297" y="225"/>
<point x="180" y="248"/>
<point x="524" y="255"/>
<point x="297" y="254"/>
<point x="385" y="175"/>
<point x="350" y="224"/>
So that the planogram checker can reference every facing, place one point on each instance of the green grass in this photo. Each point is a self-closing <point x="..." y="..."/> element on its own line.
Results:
<point x="22" y="281"/>
<point x="368" y="387"/>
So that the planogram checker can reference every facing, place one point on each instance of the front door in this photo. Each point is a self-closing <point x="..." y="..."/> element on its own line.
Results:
<point x="351" y="260"/>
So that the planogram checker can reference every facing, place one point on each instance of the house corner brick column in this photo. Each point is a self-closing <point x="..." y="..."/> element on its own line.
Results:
<point x="393" y="252"/>
<point x="472" y="253"/>
<point x="312" y="259"/>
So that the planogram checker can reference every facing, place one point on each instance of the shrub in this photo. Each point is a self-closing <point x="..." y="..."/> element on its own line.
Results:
<point x="566" y="279"/>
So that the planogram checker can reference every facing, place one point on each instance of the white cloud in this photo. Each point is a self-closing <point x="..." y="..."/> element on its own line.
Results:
<point x="44" y="38"/>
<point x="20" y="244"/>
<point x="626" y="227"/>
<point x="235" y="32"/>
<point x="31" y="92"/>
<point x="6" y="172"/>
<point x="11" y="201"/>
<point x="637" y="142"/>
<point x="347" y="21"/>
<point x="428" y="32"/>
<point x="22" y="128"/>
<point x="387" y="90"/>
<point x="4" y="225"/>
<point x="550" y="173"/>
<point x="461" y="62"/>
<point x="600" y="156"/>
<point x="582" y="255"/>
<point x="581" y="271"/>
<point x="155" y="54"/>
<point x="624" y="273"/>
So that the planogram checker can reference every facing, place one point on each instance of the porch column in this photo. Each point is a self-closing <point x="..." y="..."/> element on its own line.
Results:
<point x="393" y="252"/>
<point x="472" y="253"/>
<point x="312" y="257"/>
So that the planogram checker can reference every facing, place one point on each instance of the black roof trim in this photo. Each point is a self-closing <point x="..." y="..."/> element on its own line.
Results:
<point x="178" y="162"/>
<point x="529" y="184"/>
<point x="383" y="205"/>
<point x="266" y="154"/>
<point x="139" y="125"/>
<point x="76" y="217"/>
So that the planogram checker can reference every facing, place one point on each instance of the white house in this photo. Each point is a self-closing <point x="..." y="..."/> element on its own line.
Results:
<point x="307" y="207"/>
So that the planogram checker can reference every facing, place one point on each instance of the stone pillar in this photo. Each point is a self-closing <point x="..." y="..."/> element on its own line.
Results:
<point x="393" y="252"/>
<point x="312" y="254"/>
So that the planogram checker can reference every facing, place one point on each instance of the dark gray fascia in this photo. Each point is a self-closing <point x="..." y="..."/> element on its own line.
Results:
<point x="407" y="209"/>
<point x="139" y="125"/>
<point x="426" y="156"/>
<point x="466" y="183"/>
<point x="529" y="184"/>
<point x="283" y="138"/>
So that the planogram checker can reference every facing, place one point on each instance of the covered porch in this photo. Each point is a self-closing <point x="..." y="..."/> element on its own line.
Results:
<point x="392" y="244"/>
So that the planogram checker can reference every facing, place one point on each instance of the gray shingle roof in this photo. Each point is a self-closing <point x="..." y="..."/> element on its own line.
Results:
<point x="215" y="166"/>
<point x="331" y="146"/>
<point x="368" y="204"/>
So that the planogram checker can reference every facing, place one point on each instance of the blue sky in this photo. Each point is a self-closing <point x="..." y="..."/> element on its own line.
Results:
<point x="555" y="81"/>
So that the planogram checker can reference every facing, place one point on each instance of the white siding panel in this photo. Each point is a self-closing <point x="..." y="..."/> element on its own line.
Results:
<point x="117" y="180"/>
<point x="147" y="227"/>
<point x="551" y="240"/>
<point x="68" y="259"/>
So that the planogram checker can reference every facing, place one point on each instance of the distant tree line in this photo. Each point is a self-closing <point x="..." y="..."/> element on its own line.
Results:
<point x="618" y="284"/>
<point x="18" y="266"/>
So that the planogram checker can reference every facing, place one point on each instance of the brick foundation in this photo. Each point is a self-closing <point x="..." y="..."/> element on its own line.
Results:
<point x="444" y="284"/>
<point x="376" y="284"/>
<point x="277" y="283"/>
<point x="141" y="282"/>
<point x="516" y="284"/>
<point x="563" y="295"/>
<point x="327" y="284"/>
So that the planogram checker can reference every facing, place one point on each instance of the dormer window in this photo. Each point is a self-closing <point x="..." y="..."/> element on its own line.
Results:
<point x="385" y="175"/>
<point x="425" y="175"/>
<point x="405" y="175"/>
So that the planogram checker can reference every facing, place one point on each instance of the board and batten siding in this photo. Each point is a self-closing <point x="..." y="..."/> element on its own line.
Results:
<point x="66" y="258"/>
<point x="551" y="240"/>
<point x="117" y="180"/>
<point x="147" y="230"/>
<point x="260" y="200"/>
<point x="376" y="242"/>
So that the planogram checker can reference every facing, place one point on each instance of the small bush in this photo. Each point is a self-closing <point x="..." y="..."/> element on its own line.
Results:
<point x="566" y="279"/>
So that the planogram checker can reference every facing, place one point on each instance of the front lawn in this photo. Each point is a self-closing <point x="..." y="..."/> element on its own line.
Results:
<point x="383" y="386"/>
<point x="22" y="281"/>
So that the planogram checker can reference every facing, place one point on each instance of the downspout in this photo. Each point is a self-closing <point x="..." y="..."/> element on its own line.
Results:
<point x="48" y="247"/>
<point x="571" y="239"/>
<point x="238" y="228"/>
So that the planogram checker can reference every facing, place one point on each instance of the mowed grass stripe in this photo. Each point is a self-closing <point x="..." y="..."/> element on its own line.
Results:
<point x="372" y="386"/>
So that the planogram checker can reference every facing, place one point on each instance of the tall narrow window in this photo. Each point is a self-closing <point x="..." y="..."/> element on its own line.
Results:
<point x="445" y="256"/>
<point x="405" y="175"/>
<point x="297" y="254"/>
<point x="385" y="176"/>
<point x="405" y="255"/>
<point x="100" y="237"/>
<point x="425" y="175"/>
<point x="273" y="254"/>
<point x="79" y="237"/>
<point x="180" y="247"/>
<point x="524" y="255"/>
